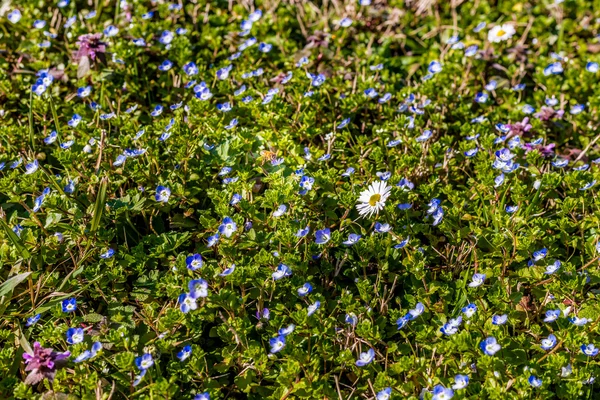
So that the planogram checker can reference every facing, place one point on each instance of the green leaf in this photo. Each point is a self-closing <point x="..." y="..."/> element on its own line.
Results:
<point x="10" y="284"/>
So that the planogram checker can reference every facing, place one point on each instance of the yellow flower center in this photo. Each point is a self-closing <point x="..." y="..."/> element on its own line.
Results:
<point x="501" y="33"/>
<point x="374" y="199"/>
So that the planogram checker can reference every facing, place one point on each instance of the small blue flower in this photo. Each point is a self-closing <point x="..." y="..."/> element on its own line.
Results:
<point x="478" y="280"/>
<point x="313" y="308"/>
<point x="552" y="268"/>
<point x="302" y="232"/>
<point x="499" y="319"/>
<point x="534" y="381"/>
<point x="69" y="305"/>
<point x="489" y="346"/>
<point x="402" y="244"/>
<point x="548" y="343"/>
<point x="227" y="227"/>
<point x="451" y="327"/>
<point x="108" y="254"/>
<point x="382" y="228"/>
<point x="384" y="394"/>
<point x="31" y="167"/>
<point x="75" y="335"/>
<point x="578" y="321"/>
<point x="185" y="353"/>
<point x="33" y="320"/>
<point x="322" y="236"/>
<point x="144" y="362"/>
<point x="552" y="315"/>
<point x="365" y="358"/>
<point x="194" y="262"/>
<point x="305" y="289"/>
<point x="353" y="238"/>
<point x="469" y="310"/>
<point x="402" y="321"/>
<point x="228" y="271"/>
<point x="187" y="303"/>
<point x="236" y="198"/>
<point x="589" y="350"/>
<point x="202" y="396"/>
<point x="282" y="271"/>
<point x="460" y="382"/>
<point x="277" y="343"/>
<point x="442" y="393"/>
<point x="212" y="240"/>
<point x="162" y="194"/>
<point x="434" y="67"/>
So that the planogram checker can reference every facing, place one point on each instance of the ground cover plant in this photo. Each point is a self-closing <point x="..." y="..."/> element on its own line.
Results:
<point x="299" y="200"/>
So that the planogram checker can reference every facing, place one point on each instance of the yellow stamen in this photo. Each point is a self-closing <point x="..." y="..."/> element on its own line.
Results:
<point x="374" y="199"/>
<point x="501" y="33"/>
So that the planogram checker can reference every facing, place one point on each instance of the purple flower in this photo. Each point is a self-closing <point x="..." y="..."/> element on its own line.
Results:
<point x="90" y="46"/>
<point x="43" y="363"/>
<point x="520" y="128"/>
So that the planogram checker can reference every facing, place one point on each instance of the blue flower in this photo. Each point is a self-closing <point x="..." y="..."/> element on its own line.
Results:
<point x="436" y="211"/>
<point x="537" y="256"/>
<point x="351" y="319"/>
<point x="489" y="346"/>
<point x="31" y="167"/>
<point x="469" y="310"/>
<point x="14" y="16"/>
<point x="302" y="232"/>
<point x="534" y="381"/>
<point x="185" y="353"/>
<point x="403" y="321"/>
<point x="212" y="240"/>
<point x="382" y="228"/>
<point x="202" y="396"/>
<point x="236" y="198"/>
<point x="402" y="244"/>
<point x="287" y="330"/>
<point x="108" y="253"/>
<point x="165" y="66"/>
<point x="277" y="343"/>
<point x="322" y="236"/>
<point x="162" y="194"/>
<point x="312" y="308"/>
<point x="353" y="238"/>
<point x="306" y="184"/>
<point x="305" y="289"/>
<point x="365" y="358"/>
<point x="194" y="262"/>
<point x="552" y="315"/>
<point x="348" y="172"/>
<point x="442" y="393"/>
<point x="144" y="362"/>
<point x="69" y="305"/>
<point x="74" y="335"/>
<point x="434" y="67"/>
<point x="460" y="382"/>
<point x="592" y="67"/>
<point x="512" y="209"/>
<point x="451" y="327"/>
<point x="578" y="321"/>
<point x="33" y="320"/>
<point x="499" y="319"/>
<point x="552" y="268"/>
<point x="227" y="227"/>
<point x="282" y="271"/>
<point x="384" y="394"/>
<point x="415" y="312"/>
<point x="187" y="303"/>
<point x="548" y="343"/>
<point x="190" y="69"/>
<point x="228" y="271"/>
<point x="198" y="288"/>
<point x="478" y="280"/>
<point x="589" y="350"/>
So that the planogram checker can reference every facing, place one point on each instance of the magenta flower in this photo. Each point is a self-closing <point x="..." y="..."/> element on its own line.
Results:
<point x="520" y="128"/>
<point x="548" y="113"/>
<point x="43" y="363"/>
<point x="90" y="46"/>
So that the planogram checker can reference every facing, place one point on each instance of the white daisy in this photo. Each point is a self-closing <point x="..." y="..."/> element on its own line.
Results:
<point x="372" y="200"/>
<point x="500" y="33"/>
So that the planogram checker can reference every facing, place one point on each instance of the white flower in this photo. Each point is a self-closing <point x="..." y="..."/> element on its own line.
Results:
<point x="372" y="200"/>
<point x="500" y="33"/>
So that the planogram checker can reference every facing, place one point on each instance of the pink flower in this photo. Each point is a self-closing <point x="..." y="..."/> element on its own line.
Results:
<point x="43" y="363"/>
<point x="90" y="46"/>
